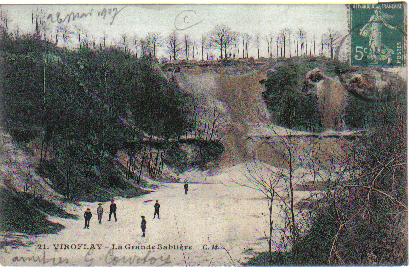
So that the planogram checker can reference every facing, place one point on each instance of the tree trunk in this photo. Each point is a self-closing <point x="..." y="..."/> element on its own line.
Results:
<point x="246" y="49"/>
<point x="221" y="52"/>
<point x="271" y="227"/>
<point x="306" y="48"/>
<point x="292" y="211"/>
<point x="128" y="168"/>
<point x="277" y="50"/>
<point x="186" y="49"/>
<point x="284" y="46"/>
<point x="297" y="49"/>
<point x="141" y="168"/>
<point x="225" y="52"/>
<point x="68" y="194"/>
<point x="41" y="151"/>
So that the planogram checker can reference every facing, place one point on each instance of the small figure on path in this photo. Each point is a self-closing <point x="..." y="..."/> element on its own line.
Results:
<point x="113" y="209"/>
<point x="143" y="226"/>
<point x="157" y="207"/>
<point x="100" y="212"/>
<point x="185" y="186"/>
<point x="87" y="217"/>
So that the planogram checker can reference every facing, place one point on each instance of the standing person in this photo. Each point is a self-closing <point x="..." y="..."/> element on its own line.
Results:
<point x="87" y="217"/>
<point x="185" y="186"/>
<point x="113" y="209"/>
<point x="143" y="226"/>
<point x="100" y="212"/>
<point x="157" y="207"/>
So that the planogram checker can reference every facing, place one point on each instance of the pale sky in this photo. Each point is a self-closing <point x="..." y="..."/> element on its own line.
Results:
<point x="137" y="20"/>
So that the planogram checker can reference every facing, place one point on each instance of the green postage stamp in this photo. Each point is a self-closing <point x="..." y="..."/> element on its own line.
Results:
<point x="377" y="34"/>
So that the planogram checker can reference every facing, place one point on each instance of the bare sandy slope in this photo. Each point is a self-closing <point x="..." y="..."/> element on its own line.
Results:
<point x="214" y="213"/>
<point x="238" y="97"/>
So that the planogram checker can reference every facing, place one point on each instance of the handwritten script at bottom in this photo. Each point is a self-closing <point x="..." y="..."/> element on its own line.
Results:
<point x="149" y="258"/>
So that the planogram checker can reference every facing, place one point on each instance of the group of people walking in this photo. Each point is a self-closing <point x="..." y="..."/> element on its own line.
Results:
<point x="100" y="212"/>
<point x="113" y="210"/>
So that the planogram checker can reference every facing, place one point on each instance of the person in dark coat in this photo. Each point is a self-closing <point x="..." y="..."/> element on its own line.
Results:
<point x="143" y="226"/>
<point x="87" y="217"/>
<point x="157" y="207"/>
<point x="185" y="186"/>
<point x="100" y="212"/>
<point x="113" y="209"/>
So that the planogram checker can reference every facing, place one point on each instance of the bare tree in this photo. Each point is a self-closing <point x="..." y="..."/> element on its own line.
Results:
<point x="187" y="42"/>
<point x="136" y="45"/>
<point x="173" y="45"/>
<point x="330" y="39"/>
<point x="222" y="37"/>
<point x="314" y="45"/>
<point x="266" y="180"/>
<point x="245" y="39"/>
<point x="80" y="33"/>
<point x="284" y="37"/>
<point x="144" y="47"/>
<point x="277" y="184"/>
<point x="278" y="41"/>
<point x="236" y="45"/>
<point x="287" y="38"/>
<point x="154" y="40"/>
<point x="40" y="23"/>
<point x="103" y="40"/>
<point x="257" y="42"/>
<point x="206" y="120"/>
<point x="124" y="42"/>
<point x="301" y="40"/>
<point x="193" y="43"/>
<point x="204" y="45"/>
<point x="63" y="31"/>
<point x="229" y="41"/>
<point x="4" y="21"/>
<point x="269" y="40"/>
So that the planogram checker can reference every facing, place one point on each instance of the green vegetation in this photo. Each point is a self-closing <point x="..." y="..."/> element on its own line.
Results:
<point x="20" y="212"/>
<point x="292" y="108"/>
<point x="80" y="108"/>
<point x="362" y="220"/>
<point x="312" y="249"/>
<point x="289" y="106"/>
<point x="194" y="154"/>
<point x="366" y="114"/>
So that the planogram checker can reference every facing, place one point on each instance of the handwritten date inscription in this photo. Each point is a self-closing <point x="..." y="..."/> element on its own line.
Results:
<point x="105" y="13"/>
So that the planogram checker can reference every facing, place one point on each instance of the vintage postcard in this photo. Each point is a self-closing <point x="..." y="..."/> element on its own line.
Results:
<point x="203" y="135"/>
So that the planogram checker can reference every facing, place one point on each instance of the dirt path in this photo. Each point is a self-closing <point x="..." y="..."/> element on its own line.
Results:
<point x="222" y="223"/>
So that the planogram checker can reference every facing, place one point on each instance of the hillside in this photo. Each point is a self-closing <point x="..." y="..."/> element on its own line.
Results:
<point x="129" y="128"/>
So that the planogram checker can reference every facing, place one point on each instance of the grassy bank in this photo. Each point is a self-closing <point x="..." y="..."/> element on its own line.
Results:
<point x="20" y="212"/>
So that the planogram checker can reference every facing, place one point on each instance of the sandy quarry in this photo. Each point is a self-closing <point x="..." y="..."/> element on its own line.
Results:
<point x="224" y="223"/>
